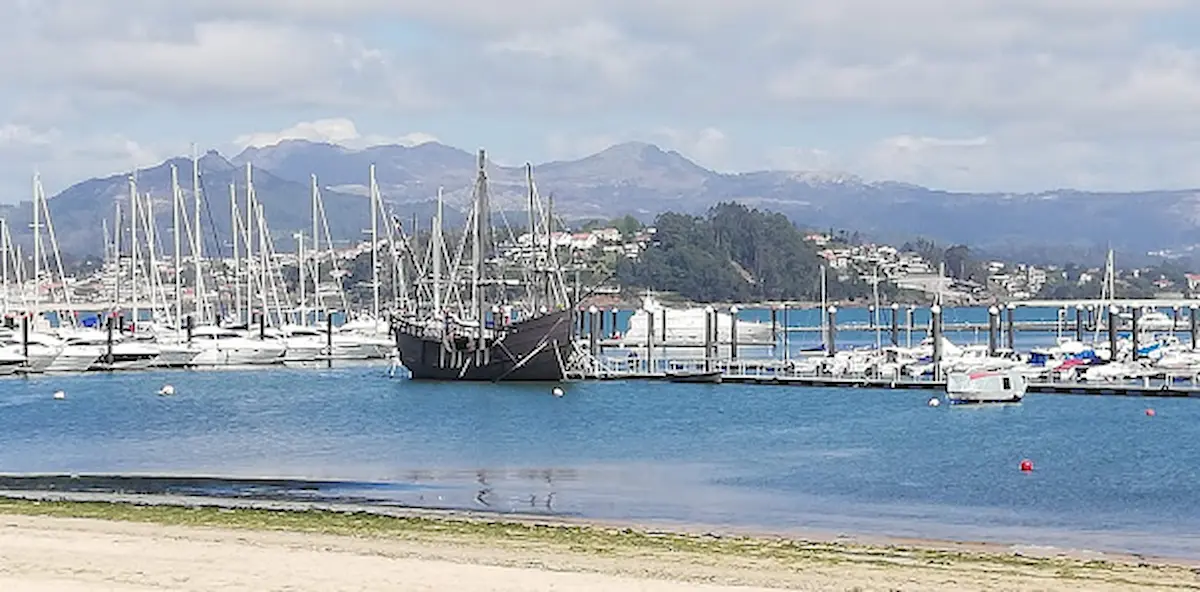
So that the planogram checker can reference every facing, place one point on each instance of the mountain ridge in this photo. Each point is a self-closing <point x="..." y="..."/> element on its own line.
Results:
<point x="644" y="180"/>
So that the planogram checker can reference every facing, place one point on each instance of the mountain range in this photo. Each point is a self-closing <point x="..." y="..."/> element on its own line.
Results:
<point x="642" y="180"/>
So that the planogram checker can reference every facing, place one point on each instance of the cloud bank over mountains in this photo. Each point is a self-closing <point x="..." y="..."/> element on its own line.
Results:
<point x="963" y="95"/>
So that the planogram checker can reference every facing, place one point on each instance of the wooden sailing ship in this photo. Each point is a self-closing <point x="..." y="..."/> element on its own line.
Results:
<point x="492" y="317"/>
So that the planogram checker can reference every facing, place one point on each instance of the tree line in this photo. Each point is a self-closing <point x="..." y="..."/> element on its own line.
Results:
<point x="735" y="254"/>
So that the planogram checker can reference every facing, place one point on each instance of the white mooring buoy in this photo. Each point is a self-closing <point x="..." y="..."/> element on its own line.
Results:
<point x="60" y="395"/>
<point x="558" y="392"/>
<point x="934" y="402"/>
<point x="167" y="390"/>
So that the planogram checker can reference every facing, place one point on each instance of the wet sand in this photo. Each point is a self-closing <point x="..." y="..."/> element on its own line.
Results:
<point x="181" y="549"/>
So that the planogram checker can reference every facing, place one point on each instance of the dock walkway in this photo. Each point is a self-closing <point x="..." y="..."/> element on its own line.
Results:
<point x="780" y="373"/>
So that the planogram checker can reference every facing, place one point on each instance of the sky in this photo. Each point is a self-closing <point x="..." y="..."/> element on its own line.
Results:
<point x="970" y="95"/>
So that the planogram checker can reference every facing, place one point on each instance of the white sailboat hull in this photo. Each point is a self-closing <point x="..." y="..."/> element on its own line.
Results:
<point x="986" y="387"/>
<point x="74" y="358"/>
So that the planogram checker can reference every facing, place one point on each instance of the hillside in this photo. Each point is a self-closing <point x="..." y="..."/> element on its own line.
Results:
<point x="644" y="180"/>
<point x="733" y="254"/>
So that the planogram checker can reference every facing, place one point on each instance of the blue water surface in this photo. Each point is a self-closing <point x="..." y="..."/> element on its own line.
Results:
<point x="865" y="461"/>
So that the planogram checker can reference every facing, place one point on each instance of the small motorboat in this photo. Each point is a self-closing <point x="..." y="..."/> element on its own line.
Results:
<point x="986" y="386"/>
<point x="713" y="377"/>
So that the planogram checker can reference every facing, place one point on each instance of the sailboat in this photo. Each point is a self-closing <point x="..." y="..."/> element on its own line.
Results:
<point x="481" y="338"/>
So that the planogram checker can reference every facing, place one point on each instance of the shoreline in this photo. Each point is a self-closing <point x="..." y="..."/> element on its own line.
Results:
<point x="560" y="549"/>
<point x="87" y="501"/>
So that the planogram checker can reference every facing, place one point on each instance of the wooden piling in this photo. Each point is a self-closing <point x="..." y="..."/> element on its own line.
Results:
<point x="1113" y="311"/>
<point x="733" y="332"/>
<point x="831" y="329"/>
<point x="594" y="321"/>
<point x="1012" y="309"/>
<point x="649" y="342"/>
<point x="1192" y="320"/>
<point x="108" y="340"/>
<point x="895" y="324"/>
<point x="708" y="338"/>
<point x="993" y="330"/>
<point x="1135" y="316"/>
<point x="935" y="326"/>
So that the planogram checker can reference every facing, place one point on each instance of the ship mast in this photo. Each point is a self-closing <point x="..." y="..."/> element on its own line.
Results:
<point x="477" y="251"/>
<point x="37" y="248"/>
<point x="178" y="246"/>
<point x="197" y="242"/>
<point x="235" y="231"/>
<point x="437" y="255"/>
<point x="533" y="236"/>
<point x="133" y="248"/>
<point x="374" y="190"/>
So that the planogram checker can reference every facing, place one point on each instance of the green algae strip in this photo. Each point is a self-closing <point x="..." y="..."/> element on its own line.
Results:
<point x="578" y="538"/>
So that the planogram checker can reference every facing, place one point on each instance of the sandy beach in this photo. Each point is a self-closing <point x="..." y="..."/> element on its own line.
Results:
<point x="44" y="549"/>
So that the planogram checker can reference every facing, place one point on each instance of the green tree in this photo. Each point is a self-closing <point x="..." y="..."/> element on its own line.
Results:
<point x="734" y="253"/>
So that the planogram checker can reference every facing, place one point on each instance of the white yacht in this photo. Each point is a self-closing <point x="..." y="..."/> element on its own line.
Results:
<point x="126" y="354"/>
<point x="175" y="355"/>
<point x="363" y="339"/>
<point x="174" y="351"/>
<point x="302" y="344"/>
<point x="1155" y="321"/>
<point x="988" y="386"/>
<point x="226" y="347"/>
<point x="687" y="325"/>
<point x="40" y="355"/>
<point x="71" y="357"/>
<point x="11" y="360"/>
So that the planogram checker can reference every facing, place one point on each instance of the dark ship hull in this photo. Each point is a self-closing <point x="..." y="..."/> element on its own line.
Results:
<point x="534" y="350"/>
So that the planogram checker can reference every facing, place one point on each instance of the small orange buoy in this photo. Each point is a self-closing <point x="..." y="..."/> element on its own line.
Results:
<point x="1149" y="413"/>
<point x="1026" y="465"/>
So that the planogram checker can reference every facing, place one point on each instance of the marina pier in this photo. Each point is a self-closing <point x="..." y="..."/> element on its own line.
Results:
<point x="810" y="347"/>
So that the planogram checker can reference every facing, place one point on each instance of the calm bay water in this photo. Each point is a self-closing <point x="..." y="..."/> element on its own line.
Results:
<point x="1106" y="476"/>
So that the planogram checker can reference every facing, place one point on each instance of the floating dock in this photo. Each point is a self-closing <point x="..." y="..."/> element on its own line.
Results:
<point x="777" y="373"/>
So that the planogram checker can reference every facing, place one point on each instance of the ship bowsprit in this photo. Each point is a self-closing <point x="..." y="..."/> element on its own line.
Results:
<point x="537" y="349"/>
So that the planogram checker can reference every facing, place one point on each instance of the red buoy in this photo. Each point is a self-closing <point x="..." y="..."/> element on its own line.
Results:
<point x="1026" y="465"/>
<point x="1149" y="413"/>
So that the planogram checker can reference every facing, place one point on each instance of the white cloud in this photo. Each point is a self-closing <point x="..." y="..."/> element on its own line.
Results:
<point x="1059" y="89"/>
<point x="63" y="159"/>
<point x="1014" y="162"/>
<point x="338" y="130"/>
<point x="201" y="63"/>
<point x="708" y="147"/>
<point x="20" y="137"/>
<point x="591" y="48"/>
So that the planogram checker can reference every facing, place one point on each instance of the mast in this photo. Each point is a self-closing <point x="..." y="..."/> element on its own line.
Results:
<point x="532" y="231"/>
<point x="824" y="310"/>
<point x="875" y="313"/>
<point x="117" y="257"/>
<point x="250" y="267"/>
<point x="37" y="247"/>
<point x="477" y="257"/>
<point x="437" y="255"/>
<point x="316" y="249"/>
<point x="300" y="268"/>
<point x="197" y="239"/>
<point x="175" y="206"/>
<point x="264" y="254"/>
<point x="153" y="277"/>
<point x="374" y="247"/>
<point x="237" y="265"/>
<point x="70" y="309"/>
<point x="4" y="247"/>
<point x="133" y="248"/>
